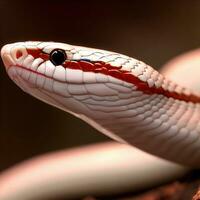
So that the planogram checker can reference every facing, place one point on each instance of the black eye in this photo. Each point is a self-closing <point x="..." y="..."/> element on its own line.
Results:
<point x="58" y="56"/>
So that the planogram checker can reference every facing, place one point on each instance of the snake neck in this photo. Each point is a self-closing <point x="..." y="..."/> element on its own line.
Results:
<point x="162" y="126"/>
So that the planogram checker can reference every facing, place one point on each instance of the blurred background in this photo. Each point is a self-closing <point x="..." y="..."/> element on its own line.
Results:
<point x="152" y="31"/>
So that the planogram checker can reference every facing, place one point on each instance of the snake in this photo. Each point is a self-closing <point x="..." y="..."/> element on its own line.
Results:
<point x="150" y="115"/>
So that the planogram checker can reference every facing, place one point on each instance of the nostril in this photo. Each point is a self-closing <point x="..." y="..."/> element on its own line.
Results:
<point x="19" y="54"/>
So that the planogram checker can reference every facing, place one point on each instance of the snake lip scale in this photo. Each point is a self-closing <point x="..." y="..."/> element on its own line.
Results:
<point x="120" y="96"/>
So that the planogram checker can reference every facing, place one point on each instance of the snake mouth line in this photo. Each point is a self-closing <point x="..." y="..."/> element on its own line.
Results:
<point x="37" y="73"/>
<point x="33" y="85"/>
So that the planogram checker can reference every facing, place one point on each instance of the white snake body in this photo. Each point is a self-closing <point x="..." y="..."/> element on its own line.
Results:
<point x="120" y="96"/>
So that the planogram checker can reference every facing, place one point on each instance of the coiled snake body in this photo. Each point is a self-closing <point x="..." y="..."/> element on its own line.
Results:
<point x="120" y="96"/>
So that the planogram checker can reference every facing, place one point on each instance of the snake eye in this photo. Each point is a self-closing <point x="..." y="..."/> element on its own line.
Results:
<point x="58" y="56"/>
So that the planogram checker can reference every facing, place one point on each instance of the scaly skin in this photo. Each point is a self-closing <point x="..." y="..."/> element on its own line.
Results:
<point x="118" y="95"/>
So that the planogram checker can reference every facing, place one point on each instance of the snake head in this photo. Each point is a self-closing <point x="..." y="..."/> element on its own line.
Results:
<point x="73" y="78"/>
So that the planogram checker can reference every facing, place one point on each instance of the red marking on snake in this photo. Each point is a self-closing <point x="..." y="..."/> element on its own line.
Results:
<point x="37" y="53"/>
<point x="117" y="72"/>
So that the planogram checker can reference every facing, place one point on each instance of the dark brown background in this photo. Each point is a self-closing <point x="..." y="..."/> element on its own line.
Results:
<point x="153" y="31"/>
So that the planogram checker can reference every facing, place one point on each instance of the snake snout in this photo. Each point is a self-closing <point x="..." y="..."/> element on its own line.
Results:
<point x="13" y="54"/>
<point x="6" y="57"/>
